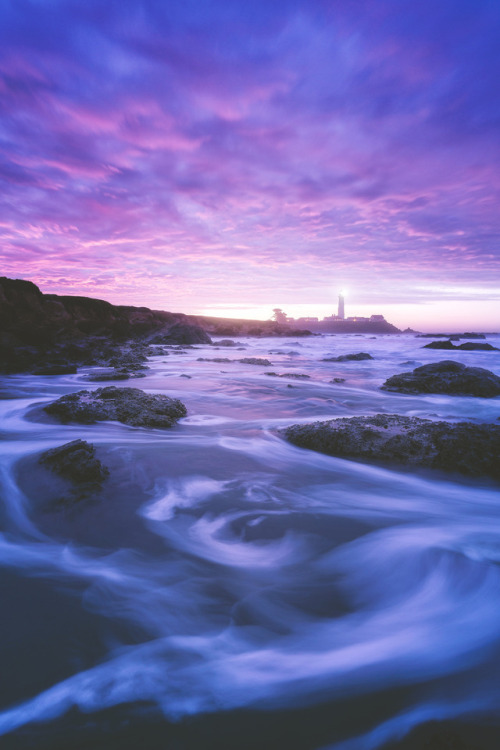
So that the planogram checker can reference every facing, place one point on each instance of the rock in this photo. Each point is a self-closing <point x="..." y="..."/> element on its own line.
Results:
<point x="446" y="377"/>
<point x="128" y="361"/>
<point x="455" y="336"/>
<point x="338" y="380"/>
<point x="472" y="335"/>
<point x="298" y="375"/>
<point x="255" y="361"/>
<point x="214" y="359"/>
<point x="75" y="461"/>
<point x="128" y="405"/>
<point x="348" y="357"/>
<point x="226" y="342"/>
<point x="439" y="345"/>
<point x="467" y="448"/>
<point x="100" y="377"/>
<point x="468" y="346"/>
<point x="184" y="333"/>
<point x="56" y="370"/>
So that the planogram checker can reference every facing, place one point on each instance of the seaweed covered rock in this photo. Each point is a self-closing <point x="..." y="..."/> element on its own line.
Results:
<point x="467" y="448"/>
<point x="128" y="405"/>
<point x="446" y="377"/>
<point x="75" y="461"/>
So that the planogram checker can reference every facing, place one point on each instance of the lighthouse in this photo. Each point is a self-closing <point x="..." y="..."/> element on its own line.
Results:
<point x="341" y="306"/>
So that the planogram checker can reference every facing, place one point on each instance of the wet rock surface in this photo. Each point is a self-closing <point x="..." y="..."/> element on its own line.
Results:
<point x="449" y="377"/>
<point x="128" y="405"/>
<point x="466" y="448"/>
<point x="75" y="461"/>
<point x="349" y="357"/>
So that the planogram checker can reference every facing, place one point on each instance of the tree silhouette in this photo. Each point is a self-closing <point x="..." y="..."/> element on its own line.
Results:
<point x="279" y="316"/>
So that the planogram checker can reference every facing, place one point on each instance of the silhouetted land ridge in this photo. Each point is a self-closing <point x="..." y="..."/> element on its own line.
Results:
<point x="56" y="331"/>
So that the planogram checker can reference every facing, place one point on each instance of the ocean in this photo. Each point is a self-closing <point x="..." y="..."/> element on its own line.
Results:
<point x="226" y="589"/>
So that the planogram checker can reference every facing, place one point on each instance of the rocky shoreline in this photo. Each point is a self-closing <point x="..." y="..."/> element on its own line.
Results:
<point x="50" y="333"/>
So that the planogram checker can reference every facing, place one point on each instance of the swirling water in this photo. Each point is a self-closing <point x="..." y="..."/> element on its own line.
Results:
<point x="227" y="589"/>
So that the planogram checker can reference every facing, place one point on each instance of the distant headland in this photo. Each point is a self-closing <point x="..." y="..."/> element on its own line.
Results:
<point x="54" y="330"/>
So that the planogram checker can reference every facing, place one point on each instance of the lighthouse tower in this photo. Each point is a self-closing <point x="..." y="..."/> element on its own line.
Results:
<point x="341" y="306"/>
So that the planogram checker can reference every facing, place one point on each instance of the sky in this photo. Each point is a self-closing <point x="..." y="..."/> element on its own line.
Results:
<point x="230" y="157"/>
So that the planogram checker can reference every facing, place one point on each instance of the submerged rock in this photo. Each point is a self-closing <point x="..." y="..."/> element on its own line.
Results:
<point x="467" y="448"/>
<point x="446" y="377"/>
<point x="128" y="405"/>
<point x="75" y="461"/>
<point x="348" y="357"/>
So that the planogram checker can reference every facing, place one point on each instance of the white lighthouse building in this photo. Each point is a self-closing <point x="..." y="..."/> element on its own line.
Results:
<point x="341" y="313"/>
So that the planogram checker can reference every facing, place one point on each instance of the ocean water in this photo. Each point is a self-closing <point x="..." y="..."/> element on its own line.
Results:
<point x="226" y="589"/>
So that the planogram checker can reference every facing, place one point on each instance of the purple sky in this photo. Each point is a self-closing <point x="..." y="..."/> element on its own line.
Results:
<point x="229" y="157"/>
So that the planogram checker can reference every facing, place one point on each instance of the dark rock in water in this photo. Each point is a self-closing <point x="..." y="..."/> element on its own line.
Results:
<point x="349" y="357"/>
<point x="75" y="461"/>
<point x="184" y="333"/>
<point x="470" y="346"/>
<point x="255" y="361"/>
<point x="226" y="342"/>
<point x="453" y="337"/>
<point x="446" y="377"/>
<point x="129" y="361"/>
<point x="440" y="345"/>
<point x="56" y="370"/>
<point x="297" y="375"/>
<point x="338" y="380"/>
<point x="128" y="405"/>
<point x="214" y="359"/>
<point x="467" y="448"/>
<point x="101" y="377"/>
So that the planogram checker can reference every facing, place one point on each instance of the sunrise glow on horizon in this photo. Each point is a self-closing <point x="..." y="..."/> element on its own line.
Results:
<point x="226" y="159"/>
